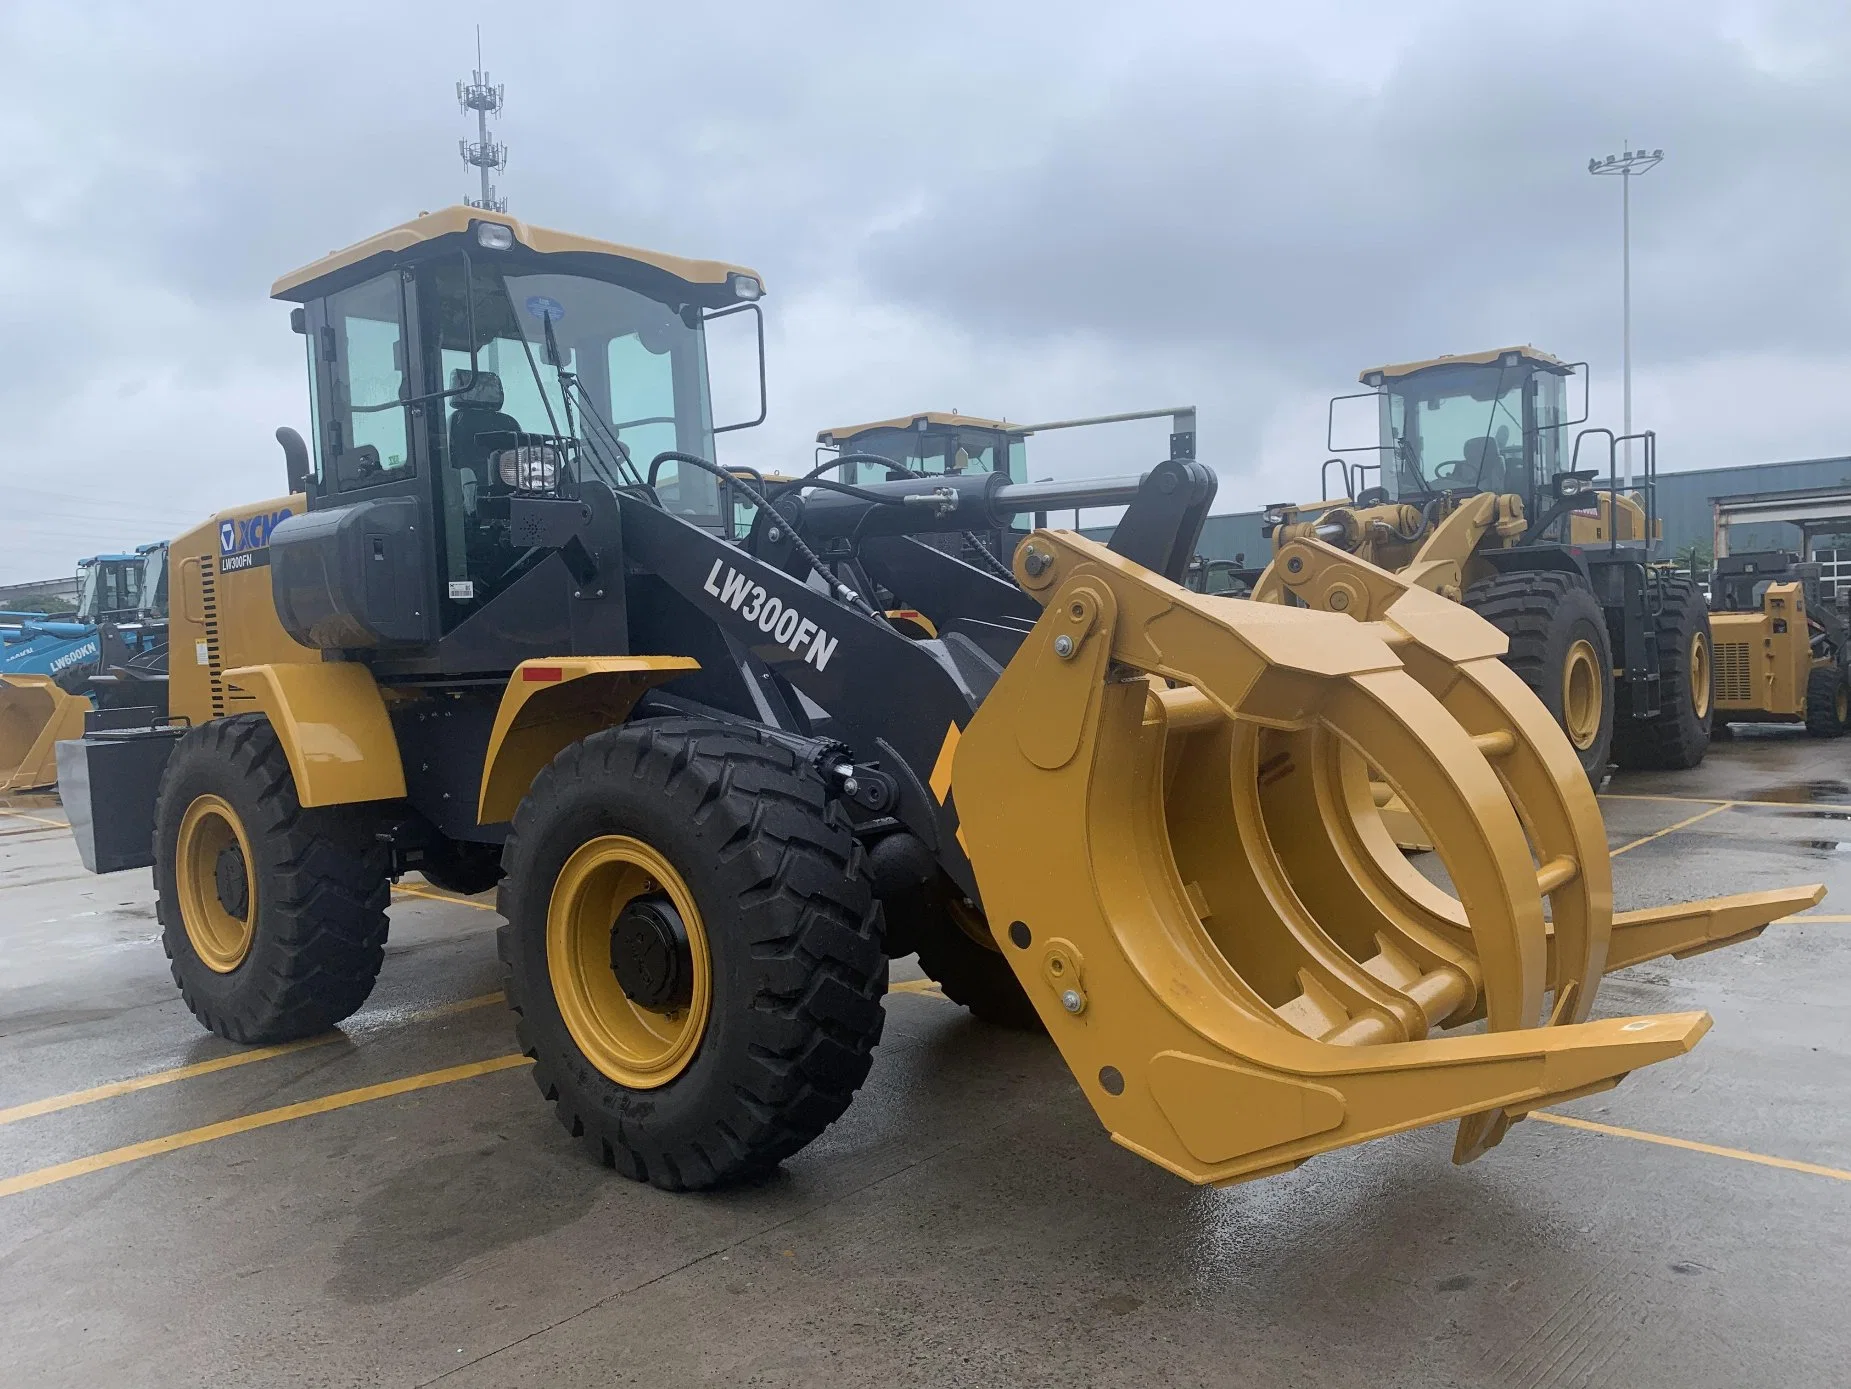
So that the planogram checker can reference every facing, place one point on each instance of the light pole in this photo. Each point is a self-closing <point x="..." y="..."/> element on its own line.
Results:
<point x="1630" y="165"/>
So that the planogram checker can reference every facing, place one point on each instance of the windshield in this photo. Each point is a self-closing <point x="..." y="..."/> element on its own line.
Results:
<point x="936" y="453"/>
<point x="641" y="370"/>
<point x="1455" y="429"/>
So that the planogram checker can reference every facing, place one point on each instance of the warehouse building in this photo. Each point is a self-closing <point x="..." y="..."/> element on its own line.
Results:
<point x="1684" y="501"/>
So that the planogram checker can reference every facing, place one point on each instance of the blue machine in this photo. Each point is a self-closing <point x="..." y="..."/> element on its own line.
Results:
<point x="127" y="592"/>
<point x="111" y="653"/>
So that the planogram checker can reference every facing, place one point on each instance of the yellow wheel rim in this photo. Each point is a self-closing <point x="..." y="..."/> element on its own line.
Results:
<point x="968" y="917"/>
<point x="635" y="1046"/>
<point x="206" y="872"/>
<point x="1700" y="674"/>
<point x="1581" y="695"/>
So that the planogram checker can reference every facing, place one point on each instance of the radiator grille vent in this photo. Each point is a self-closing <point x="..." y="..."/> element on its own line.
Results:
<point x="209" y="606"/>
<point x="1733" y="685"/>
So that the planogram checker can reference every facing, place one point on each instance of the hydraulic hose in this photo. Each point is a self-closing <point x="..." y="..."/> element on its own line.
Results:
<point x="842" y="591"/>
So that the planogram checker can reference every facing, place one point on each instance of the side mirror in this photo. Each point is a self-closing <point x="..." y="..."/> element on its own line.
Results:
<point x="298" y="321"/>
<point x="295" y="457"/>
<point x="728" y="349"/>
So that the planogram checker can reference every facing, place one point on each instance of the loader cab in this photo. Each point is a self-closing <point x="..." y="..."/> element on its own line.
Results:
<point x="933" y="443"/>
<point x="937" y="444"/>
<point x="464" y="361"/>
<point x="1483" y="422"/>
<point x="1738" y="583"/>
<point x="109" y="588"/>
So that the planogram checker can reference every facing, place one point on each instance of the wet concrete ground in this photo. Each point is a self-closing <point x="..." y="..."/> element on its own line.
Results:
<point x="966" y="1224"/>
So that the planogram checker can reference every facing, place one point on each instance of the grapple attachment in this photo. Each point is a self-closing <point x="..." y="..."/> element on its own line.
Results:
<point x="1168" y="802"/>
<point x="35" y="715"/>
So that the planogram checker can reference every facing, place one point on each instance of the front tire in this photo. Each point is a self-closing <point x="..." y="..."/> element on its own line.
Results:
<point x="1559" y="646"/>
<point x="454" y="865"/>
<point x="1828" y="702"/>
<point x="274" y="916"/>
<point x="693" y="952"/>
<point x="1677" y="739"/>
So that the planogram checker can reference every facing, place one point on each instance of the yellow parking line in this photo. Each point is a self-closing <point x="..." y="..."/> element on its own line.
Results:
<point x="1718" y="800"/>
<point x="264" y="1118"/>
<point x="1673" y="829"/>
<point x="916" y="986"/>
<point x="442" y="897"/>
<point x="36" y="819"/>
<point x="1614" y="1131"/>
<point x="53" y="1103"/>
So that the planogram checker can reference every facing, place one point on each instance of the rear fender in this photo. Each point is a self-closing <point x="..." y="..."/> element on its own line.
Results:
<point x="331" y="720"/>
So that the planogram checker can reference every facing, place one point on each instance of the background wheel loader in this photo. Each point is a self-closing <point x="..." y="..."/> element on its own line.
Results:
<point x="1474" y="499"/>
<point x="53" y="670"/>
<point x="936" y="443"/>
<point x="499" y="625"/>
<point x="1782" y="653"/>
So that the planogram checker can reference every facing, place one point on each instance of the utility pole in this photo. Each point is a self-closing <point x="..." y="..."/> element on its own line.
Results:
<point x="1628" y="166"/>
<point x="484" y="98"/>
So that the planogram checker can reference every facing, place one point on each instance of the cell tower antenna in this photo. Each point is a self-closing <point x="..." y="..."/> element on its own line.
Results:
<point x="483" y="154"/>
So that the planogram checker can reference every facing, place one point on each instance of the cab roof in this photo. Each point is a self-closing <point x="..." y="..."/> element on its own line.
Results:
<point x="366" y="258"/>
<point x="1374" y="376"/>
<point x="940" y="418"/>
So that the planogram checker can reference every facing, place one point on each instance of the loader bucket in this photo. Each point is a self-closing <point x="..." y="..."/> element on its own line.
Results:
<point x="35" y="716"/>
<point x="1168" y="803"/>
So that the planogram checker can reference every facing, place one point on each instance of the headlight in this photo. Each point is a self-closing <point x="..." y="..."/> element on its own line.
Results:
<point x="747" y="288"/>
<point x="530" y="468"/>
<point x="494" y="236"/>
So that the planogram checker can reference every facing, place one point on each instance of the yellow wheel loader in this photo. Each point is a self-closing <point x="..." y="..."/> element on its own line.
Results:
<point x="1782" y="653"/>
<point x="1474" y="499"/>
<point x="499" y="630"/>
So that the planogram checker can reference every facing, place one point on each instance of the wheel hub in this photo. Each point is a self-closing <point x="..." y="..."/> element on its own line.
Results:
<point x="232" y="882"/>
<point x="1582" y="695"/>
<point x="650" y="954"/>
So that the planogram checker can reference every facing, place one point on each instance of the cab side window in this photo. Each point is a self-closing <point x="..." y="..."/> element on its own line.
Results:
<point x="361" y="436"/>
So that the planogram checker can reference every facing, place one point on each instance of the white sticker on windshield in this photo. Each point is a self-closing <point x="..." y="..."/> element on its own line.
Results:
<point x="462" y="588"/>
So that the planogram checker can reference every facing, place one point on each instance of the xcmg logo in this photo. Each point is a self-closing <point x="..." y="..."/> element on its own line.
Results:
<point x="250" y="533"/>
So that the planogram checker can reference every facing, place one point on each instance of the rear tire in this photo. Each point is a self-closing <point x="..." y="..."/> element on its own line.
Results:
<point x="1559" y="646"/>
<point x="783" y="945"/>
<point x="312" y="883"/>
<point x="972" y="972"/>
<point x="1828" y="702"/>
<point x="1677" y="739"/>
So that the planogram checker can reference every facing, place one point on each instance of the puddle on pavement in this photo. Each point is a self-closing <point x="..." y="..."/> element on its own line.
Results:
<point x="1805" y="792"/>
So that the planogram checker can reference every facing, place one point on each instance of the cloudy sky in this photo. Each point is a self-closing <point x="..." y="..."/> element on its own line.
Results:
<point x="1015" y="208"/>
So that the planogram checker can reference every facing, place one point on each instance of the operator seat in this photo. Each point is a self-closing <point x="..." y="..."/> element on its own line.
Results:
<point x="475" y="424"/>
<point x="1484" y="464"/>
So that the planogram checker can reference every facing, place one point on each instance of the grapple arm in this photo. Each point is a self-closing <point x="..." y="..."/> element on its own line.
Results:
<point x="1166" y="802"/>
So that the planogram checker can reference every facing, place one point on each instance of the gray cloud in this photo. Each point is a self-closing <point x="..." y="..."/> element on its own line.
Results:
<point x="1031" y="210"/>
<point x="1288" y="212"/>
